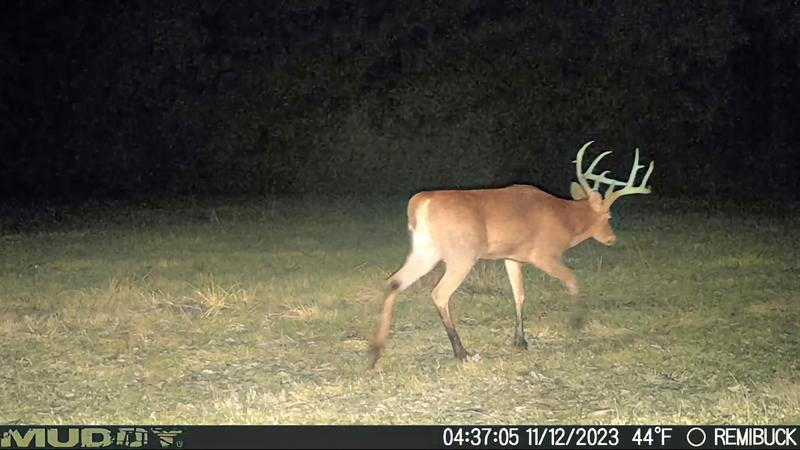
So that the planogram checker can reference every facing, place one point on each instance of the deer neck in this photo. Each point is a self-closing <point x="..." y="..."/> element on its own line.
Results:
<point x="581" y="219"/>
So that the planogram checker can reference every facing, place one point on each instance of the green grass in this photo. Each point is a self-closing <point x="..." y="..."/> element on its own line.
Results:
<point x="260" y="313"/>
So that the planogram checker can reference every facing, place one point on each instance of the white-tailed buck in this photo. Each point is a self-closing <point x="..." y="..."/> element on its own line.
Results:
<point x="520" y="224"/>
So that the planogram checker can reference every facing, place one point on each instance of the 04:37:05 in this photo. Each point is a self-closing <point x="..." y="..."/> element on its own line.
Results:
<point x="480" y="436"/>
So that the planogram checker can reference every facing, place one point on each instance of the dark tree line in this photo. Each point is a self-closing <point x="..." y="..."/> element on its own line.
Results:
<point x="124" y="98"/>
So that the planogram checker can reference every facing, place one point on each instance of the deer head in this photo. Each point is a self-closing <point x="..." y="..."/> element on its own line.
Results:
<point x="600" y="228"/>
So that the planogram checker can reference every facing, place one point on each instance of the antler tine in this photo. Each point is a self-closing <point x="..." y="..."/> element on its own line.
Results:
<point x="636" y="167"/>
<point x="609" y="190"/>
<point x="594" y="164"/>
<point x="598" y="179"/>
<point x="647" y="175"/>
<point x="579" y="164"/>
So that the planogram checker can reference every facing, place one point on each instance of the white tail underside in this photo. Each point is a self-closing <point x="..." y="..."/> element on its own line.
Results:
<point x="424" y="254"/>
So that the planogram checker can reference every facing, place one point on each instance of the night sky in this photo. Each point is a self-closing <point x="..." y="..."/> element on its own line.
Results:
<point x="116" y="99"/>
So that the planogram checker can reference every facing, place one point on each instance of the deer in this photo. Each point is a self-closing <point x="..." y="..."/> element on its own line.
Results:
<point x="520" y="224"/>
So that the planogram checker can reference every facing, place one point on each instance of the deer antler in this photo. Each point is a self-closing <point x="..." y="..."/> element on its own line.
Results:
<point x="611" y="196"/>
<point x="629" y="188"/>
<point x="583" y="177"/>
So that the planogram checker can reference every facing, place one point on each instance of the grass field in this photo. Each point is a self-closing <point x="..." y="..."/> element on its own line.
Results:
<point x="260" y="313"/>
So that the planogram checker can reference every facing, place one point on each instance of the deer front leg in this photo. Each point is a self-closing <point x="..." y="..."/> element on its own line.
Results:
<point x="555" y="268"/>
<point x="514" y="270"/>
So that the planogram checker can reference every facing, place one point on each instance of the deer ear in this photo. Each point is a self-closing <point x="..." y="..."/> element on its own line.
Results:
<point x="596" y="201"/>
<point x="577" y="191"/>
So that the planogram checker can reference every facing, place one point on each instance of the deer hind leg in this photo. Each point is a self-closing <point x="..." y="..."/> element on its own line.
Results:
<point x="514" y="270"/>
<point x="556" y="269"/>
<point x="418" y="263"/>
<point x="452" y="279"/>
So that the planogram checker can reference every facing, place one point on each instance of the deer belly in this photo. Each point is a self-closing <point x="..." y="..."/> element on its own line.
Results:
<point x="507" y="250"/>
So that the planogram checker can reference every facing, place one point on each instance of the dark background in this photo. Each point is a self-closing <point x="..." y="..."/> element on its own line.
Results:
<point x="124" y="99"/>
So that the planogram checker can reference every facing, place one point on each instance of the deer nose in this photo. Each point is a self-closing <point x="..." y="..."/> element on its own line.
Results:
<point x="611" y="241"/>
